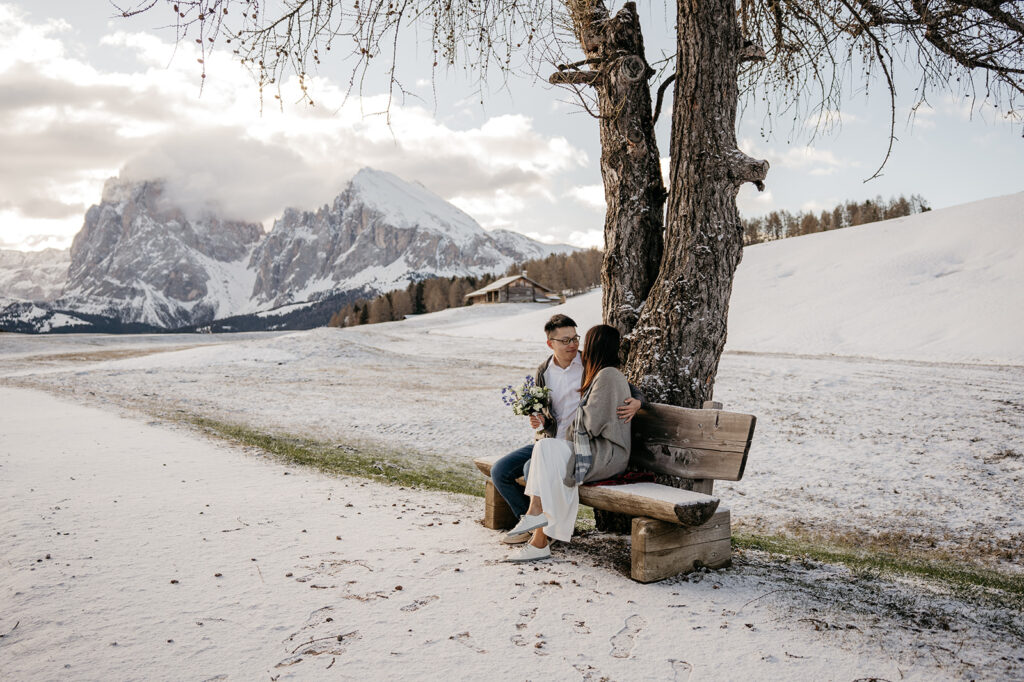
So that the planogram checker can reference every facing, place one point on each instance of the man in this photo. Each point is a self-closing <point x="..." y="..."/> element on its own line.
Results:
<point x="562" y="372"/>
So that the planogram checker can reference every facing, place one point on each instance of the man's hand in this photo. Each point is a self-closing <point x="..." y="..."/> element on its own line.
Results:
<point x="536" y="421"/>
<point x="628" y="409"/>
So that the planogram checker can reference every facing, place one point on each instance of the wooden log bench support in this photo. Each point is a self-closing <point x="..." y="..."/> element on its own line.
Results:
<point x="673" y="530"/>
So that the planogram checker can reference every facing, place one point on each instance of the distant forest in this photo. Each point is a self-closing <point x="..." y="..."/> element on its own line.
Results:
<point x="567" y="274"/>
<point x="782" y="224"/>
<point x="574" y="273"/>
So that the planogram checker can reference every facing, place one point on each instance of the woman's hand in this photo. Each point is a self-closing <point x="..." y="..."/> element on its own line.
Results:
<point x="536" y="421"/>
<point x="628" y="409"/>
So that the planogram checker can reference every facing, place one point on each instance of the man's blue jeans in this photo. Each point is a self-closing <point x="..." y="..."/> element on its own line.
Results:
<point x="504" y="474"/>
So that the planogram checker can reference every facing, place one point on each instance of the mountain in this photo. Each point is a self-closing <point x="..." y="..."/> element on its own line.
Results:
<point x="138" y="258"/>
<point x="33" y="275"/>
<point x="379" y="234"/>
<point x="141" y="262"/>
<point x="523" y="248"/>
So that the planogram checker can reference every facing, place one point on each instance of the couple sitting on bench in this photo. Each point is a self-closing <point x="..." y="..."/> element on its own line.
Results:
<point x="583" y="437"/>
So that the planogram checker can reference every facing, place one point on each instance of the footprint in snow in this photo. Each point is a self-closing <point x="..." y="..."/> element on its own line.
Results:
<point x="681" y="670"/>
<point x="623" y="641"/>
<point x="590" y="673"/>
<point x="526" y="615"/>
<point x="334" y="645"/>
<point x="438" y="570"/>
<point x="463" y="638"/>
<point x="317" y="618"/>
<point x="578" y="626"/>
<point x="419" y="603"/>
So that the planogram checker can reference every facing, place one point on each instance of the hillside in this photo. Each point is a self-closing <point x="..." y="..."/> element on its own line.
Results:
<point x="944" y="286"/>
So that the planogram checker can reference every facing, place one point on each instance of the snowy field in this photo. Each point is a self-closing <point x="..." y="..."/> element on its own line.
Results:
<point x="912" y="438"/>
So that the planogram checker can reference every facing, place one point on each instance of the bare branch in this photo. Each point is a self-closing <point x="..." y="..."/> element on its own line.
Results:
<point x="661" y="95"/>
<point x="575" y="78"/>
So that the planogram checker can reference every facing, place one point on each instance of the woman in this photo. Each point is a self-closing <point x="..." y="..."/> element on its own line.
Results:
<point x="596" y="448"/>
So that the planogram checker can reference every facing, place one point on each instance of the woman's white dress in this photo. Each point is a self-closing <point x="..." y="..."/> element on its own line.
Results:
<point x="545" y="480"/>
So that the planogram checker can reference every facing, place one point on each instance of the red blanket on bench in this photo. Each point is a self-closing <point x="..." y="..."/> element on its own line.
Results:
<point x="627" y="477"/>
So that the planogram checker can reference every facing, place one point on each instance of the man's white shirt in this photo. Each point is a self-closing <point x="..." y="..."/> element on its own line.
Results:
<point x="565" y="391"/>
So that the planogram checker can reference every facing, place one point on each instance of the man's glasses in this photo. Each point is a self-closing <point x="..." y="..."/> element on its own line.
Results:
<point x="569" y="340"/>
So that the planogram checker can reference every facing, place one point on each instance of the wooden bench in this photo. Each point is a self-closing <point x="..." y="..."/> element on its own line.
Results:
<point x="674" y="530"/>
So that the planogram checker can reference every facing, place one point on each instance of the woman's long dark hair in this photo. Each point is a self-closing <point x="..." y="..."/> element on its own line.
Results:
<point x="600" y="350"/>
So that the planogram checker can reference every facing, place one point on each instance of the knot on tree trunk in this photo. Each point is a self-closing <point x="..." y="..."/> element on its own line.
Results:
<point x="633" y="68"/>
<point x="742" y="168"/>
<point x="634" y="135"/>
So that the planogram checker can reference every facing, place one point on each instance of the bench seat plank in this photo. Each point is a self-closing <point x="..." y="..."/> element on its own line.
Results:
<point x="653" y="500"/>
<point x="484" y="464"/>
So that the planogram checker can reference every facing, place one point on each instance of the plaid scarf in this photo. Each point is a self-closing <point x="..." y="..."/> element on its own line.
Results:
<point x="582" y="455"/>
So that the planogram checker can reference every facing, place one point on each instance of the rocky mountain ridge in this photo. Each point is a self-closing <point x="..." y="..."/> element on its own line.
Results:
<point x="33" y="275"/>
<point x="141" y="260"/>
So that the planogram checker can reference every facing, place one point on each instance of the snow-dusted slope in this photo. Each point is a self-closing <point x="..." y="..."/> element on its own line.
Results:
<point x="947" y="285"/>
<point x="942" y="285"/>
<point x="33" y="275"/>
<point x="524" y="248"/>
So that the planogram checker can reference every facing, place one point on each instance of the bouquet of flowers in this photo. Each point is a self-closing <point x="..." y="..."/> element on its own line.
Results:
<point x="528" y="398"/>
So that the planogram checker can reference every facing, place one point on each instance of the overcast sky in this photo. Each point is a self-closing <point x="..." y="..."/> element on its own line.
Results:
<point x="86" y="96"/>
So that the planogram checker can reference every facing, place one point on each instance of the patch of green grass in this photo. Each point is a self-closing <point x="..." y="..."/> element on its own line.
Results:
<point x="414" y="470"/>
<point x="881" y="563"/>
<point x="363" y="461"/>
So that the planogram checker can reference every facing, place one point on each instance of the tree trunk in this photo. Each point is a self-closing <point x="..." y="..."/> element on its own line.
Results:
<point x="630" y="162"/>
<point x="680" y="335"/>
<point x="630" y="168"/>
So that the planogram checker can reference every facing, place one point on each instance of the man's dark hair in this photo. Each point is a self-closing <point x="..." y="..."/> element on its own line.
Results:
<point x="557" y="322"/>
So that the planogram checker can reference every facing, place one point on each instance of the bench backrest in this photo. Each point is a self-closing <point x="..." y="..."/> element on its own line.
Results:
<point x="695" y="444"/>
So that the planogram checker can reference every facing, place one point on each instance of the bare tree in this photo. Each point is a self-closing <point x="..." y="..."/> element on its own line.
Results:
<point x="380" y="310"/>
<point x="401" y="303"/>
<point x="668" y="267"/>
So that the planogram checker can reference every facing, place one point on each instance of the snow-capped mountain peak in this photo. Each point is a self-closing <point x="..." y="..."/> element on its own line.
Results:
<point x="140" y="258"/>
<point x="411" y="205"/>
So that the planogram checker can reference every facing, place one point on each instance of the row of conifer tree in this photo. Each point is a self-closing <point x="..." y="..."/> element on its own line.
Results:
<point x="567" y="274"/>
<point x="782" y="224"/>
<point x="574" y="273"/>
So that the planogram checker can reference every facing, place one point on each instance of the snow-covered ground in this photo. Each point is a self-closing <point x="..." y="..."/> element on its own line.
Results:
<point x="895" y="437"/>
<point x="137" y="550"/>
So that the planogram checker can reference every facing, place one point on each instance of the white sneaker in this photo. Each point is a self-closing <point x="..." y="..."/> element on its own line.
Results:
<point x="516" y="539"/>
<point x="531" y="553"/>
<point x="528" y="523"/>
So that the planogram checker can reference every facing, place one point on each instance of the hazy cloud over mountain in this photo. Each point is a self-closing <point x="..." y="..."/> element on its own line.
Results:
<point x="68" y="125"/>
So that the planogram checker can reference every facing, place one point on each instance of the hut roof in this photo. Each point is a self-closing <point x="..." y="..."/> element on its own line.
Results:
<point x="504" y="281"/>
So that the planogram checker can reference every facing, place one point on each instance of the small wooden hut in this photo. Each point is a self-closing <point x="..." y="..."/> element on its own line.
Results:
<point x="513" y="289"/>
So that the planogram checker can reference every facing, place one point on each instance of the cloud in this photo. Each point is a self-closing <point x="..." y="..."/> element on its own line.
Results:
<point x="826" y="119"/>
<point x="591" y="196"/>
<point x="65" y="126"/>
<point x="806" y="159"/>
<point x="493" y="211"/>
<point x="587" y="239"/>
<point x="815" y="161"/>
<point x="239" y="177"/>
<point x="750" y="202"/>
